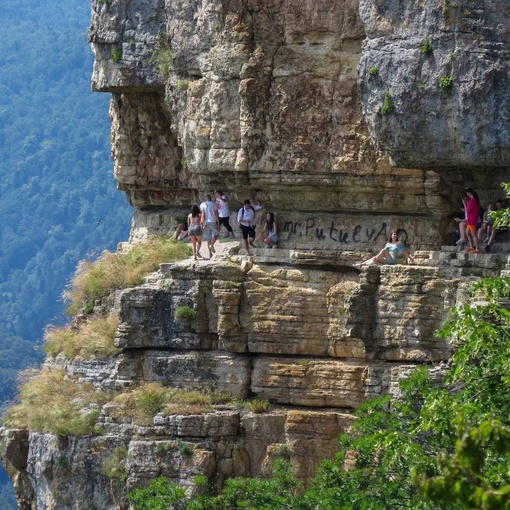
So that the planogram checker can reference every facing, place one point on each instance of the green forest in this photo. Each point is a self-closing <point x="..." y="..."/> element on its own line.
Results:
<point x="58" y="199"/>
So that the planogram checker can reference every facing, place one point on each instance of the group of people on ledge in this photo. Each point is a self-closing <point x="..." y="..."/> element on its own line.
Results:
<point x="204" y="222"/>
<point x="476" y="227"/>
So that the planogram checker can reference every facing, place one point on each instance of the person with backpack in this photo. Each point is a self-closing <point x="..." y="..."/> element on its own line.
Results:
<point x="246" y="221"/>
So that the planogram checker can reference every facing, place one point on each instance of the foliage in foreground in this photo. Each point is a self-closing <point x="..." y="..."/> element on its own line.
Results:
<point x="502" y="217"/>
<point x="279" y="492"/>
<point x="112" y="271"/>
<point x="443" y="445"/>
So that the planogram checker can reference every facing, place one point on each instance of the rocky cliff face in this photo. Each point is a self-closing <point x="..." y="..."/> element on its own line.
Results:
<point x="257" y="99"/>
<point x="316" y="340"/>
<point x="444" y="65"/>
<point x="277" y="100"/>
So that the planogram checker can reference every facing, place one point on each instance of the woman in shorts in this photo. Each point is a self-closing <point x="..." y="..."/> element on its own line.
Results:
<point x="195" y="230"/>
<point x="390" y="253"/>
<point x="270" y="233"/>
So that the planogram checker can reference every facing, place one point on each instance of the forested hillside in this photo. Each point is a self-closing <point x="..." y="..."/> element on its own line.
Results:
<point x="58" y="202"/>
<point x="58" y="198"/>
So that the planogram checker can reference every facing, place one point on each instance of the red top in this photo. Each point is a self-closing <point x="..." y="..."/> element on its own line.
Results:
<point x="473" y="212"/>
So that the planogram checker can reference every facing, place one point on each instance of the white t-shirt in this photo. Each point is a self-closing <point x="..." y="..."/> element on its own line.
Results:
<point x="222" y="205"/>
<point x="246" y="217"/>
<point x="209" y="208"/>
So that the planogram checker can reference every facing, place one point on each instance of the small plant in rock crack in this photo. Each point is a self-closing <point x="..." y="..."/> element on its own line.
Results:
<point x="185" y="312"/>
<point x="387" y="106"/>
<point x="114" y="467"/>
<point x="426" y="48"/>
<point x="206" y="286"/>
<point x="373" y="72"/>
<point x="259" y="405"/>
<point x="185" y="449"/>
<point x="445" y="83"/>
<point x="117" y="55"/>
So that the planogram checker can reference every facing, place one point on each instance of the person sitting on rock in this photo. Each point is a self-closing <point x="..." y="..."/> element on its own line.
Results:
<point x="269" y="235"/>
<point x="390" y="253"/>
<point x="492" y="238"/>
<point x="486" y="232"/>
<point x="181" y="232"/>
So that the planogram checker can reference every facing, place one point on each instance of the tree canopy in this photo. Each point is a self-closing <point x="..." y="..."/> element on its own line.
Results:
<point x="58" y="201"/>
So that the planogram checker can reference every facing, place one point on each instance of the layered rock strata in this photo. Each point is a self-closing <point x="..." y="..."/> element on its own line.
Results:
<point x="279" y="100"/>
<point x="315" y="341"/>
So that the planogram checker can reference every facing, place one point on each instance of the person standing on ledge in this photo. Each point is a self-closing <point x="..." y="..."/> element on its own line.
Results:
<point x="210" y="223"/>
<point x="246" y="220"/>
<point x="195" y="230"/>
<point x="473" y="216"/>
<point x="224" y="213"/>
<point x="390" y="253"/>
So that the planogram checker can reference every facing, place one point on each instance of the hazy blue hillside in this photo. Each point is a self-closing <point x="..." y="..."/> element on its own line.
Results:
<point x="58" y="202"/>
<point x="57" y="195"/>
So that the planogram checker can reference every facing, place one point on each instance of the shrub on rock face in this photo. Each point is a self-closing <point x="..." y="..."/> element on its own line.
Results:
<point x="53" y="402"/>
<point x="142" y="403"/>
<point x="185" y="312"/>
<point x="426" y="48"/>
<point x="114" y="467"/>
<point x="445" y="83"/>
<point x="92" y="339"/>
<point x="387" y="106"/>
<point x="112" y="271"/>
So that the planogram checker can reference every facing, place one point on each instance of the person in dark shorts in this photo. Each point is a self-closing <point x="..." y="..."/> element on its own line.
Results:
<point x="246" y="221"/>
<point x="224" y="212"/>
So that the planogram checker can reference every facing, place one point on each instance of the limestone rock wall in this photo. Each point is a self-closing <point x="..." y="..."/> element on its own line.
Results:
<point x="313" y="339"/>
<point x="279" y="100"/>
<point x="258" y="99"/>
<point x="462" y="126"/>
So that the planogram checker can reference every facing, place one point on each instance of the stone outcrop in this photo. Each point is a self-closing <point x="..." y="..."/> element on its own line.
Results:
<point x="411" y="51"/>
<point x="258" y="99"/>
<point x="314" y="340"/>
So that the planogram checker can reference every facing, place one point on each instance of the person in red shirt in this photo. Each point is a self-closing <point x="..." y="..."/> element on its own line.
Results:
<point x="473" y="216"/>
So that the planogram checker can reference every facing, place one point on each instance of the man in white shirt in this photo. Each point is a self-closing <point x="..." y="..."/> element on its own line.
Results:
<point x="246" y="220"/>
<point x="224" y="212"/>
<point x="210" y="223"/>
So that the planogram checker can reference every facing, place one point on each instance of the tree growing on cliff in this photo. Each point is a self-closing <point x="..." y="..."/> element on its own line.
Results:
<point x="502" y="217"/>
